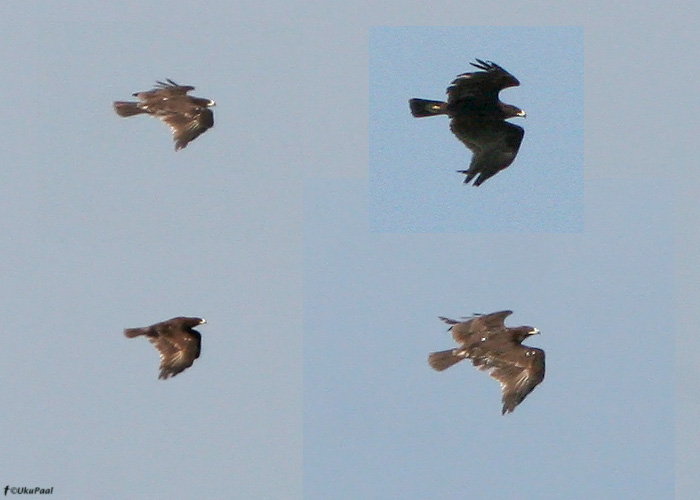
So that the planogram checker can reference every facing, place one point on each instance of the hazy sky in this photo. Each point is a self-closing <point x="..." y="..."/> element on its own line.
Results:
<point x="268" y="227"/>
<point x="379" y="423"/>
<point x="106" y="227"/>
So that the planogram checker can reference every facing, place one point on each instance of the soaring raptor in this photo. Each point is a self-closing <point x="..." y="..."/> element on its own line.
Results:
<point x="478" y="118"/>
<point x="496" y="348"/>
<point x="188" y="117"/>
<point x="176" y="340"/>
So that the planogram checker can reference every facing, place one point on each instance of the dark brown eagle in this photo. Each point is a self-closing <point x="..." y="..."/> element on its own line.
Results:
<point x="187" y="116"/>
<point x="478" y="118"/>
<point x="179" y="345"/>
<point x="496" y="348"/>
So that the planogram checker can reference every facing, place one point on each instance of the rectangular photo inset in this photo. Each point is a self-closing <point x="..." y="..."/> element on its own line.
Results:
<point x="476" y="129"/>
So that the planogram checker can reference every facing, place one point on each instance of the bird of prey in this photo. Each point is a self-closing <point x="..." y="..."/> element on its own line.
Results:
<point x="496" y="348"/>
<point x="478" y="118"/>
<point x="188" y="117"/>
<point x="176" y="340"/>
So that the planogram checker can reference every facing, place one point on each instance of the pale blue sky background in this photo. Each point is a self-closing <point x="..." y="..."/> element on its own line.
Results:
<point x="106" y="227"/>
<point x="380" y="424"/>
<point x="414" y="186"/>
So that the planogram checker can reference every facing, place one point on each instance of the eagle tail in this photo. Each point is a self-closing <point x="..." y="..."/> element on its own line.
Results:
<point x="442" y="360"/>
<point x="133" y="332"/>
<point x="125" y="108"/>
<point x="422" y="107"/>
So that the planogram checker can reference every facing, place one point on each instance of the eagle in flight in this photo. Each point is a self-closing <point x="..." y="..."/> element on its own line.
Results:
<point x="188" y="117"/>
<point x="478" y="118"/>
<point x="176" y="340"/>
<point x="496" y="348"/>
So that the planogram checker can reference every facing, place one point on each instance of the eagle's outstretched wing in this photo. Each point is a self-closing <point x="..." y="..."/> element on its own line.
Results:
<point x="477" y="327"/>
<point x="495" y="145"/>
<point x="164" y="90"/>
<point x="178" y="351"/>
<point x="189" y="125"/>
<point x="480" y="87"/>
<point x="518" y="368"/>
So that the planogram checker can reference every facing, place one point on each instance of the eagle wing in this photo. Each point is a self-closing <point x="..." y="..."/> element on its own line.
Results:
<point x="495" y="145"/>
<point x="163" y="91"/>
<point x="518" y="368"/>
<point x="480" y="87"/>
<point x="173" y="88"/>
<point x="477" y="328"/>
<point x="186" y="126"/>
<point x="178" y="349"/>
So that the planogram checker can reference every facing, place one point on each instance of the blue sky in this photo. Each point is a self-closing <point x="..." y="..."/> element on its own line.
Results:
<point x="313" y="358"/>
<point x="414" y="186"/>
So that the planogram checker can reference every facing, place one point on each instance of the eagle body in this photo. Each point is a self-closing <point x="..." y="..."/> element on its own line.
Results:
<point x="477" y="118"/>
<point x="498" y="349"/>
<point x="187" y="116"/>
<point x="176" y="340"/>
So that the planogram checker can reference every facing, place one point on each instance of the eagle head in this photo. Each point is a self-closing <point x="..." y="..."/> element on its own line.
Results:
<point x="511" y="111"/>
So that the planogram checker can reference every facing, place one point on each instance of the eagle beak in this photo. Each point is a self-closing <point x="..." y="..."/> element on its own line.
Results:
<point x="522" y="113"/>
<point x="534" y="331"/>
<point x="203" y="321"/>
<point x="211" y="103"/>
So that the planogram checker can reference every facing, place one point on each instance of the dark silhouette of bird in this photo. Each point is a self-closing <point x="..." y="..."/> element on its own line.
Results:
<point x="496" y="348"/>
<point x="176" y="340"/>
<point x="188" y="117"/>
<point x="478" y="118"/>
